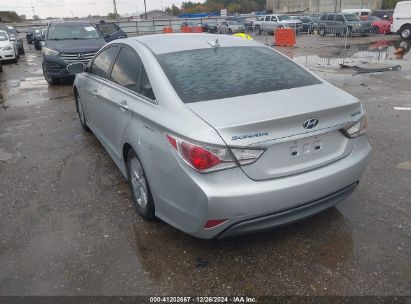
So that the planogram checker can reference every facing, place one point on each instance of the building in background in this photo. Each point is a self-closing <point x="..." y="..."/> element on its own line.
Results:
<point x="319" y="6"/>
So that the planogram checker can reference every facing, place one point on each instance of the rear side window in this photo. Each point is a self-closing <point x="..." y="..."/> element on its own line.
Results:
<point x="206" y="74"/>
<point x="330" y="17"/>
<point x="323" y="17"/>
<point x="101" y="64"/>
<point x="267" y="18"/>
<point x="127" y="70"/>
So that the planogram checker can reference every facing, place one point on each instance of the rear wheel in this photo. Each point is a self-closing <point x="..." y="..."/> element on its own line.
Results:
<point x="139" y="187"/>
<point x="405" y="32"/>
<point x="230" y="31"/>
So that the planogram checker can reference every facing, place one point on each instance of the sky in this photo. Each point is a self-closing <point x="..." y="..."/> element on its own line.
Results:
<point x="82" y="8"/>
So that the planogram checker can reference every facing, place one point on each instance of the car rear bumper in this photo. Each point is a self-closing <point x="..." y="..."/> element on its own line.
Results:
<point x="281" y="218"/>
<point x="192" y="198"/>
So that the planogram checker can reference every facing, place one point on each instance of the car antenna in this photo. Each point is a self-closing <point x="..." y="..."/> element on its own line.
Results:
<point x="214" y="43"/>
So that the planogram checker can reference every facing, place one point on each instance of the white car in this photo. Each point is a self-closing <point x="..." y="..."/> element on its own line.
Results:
<point x="8" y="47"/>
<point x="401" y="23"/>
<point x="230" y="27"/>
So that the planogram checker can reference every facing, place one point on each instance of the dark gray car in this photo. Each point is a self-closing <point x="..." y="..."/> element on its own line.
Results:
<point x="343" y="24"/>
<point x="68" y="42"/>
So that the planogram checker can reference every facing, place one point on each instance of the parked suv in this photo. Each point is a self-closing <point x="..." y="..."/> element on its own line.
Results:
<point x="343" y="24"/>
<point x="110" y="31"/>
<point x="271" y="22"/>
<point x="401" y="23"/>
<point x="68" y="42"/>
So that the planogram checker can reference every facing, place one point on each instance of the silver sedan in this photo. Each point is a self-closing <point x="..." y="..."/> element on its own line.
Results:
<point x="220" y="136"/>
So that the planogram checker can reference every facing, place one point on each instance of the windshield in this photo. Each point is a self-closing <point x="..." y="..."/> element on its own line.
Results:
<point x="206" y="74"/>
<point x="283" y="17"/>
<point x="351" y="17"/>
<point x="3" y="36"/>
<point x="69" y="32"/>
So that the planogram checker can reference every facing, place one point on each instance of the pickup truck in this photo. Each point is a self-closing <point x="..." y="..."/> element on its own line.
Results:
<point x="270" y="23"/>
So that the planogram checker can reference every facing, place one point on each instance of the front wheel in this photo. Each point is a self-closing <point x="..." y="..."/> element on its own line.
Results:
<point x="405" y="32"/>
<point x="50" y="80"/>
<point x="81" y="114"/>
<point x="139" y="187"/>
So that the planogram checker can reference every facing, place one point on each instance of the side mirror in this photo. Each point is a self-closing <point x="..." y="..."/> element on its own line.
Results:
<point x="385" y="17"/>
<point x="76" y="68"/>
<point x="12" y="39"/>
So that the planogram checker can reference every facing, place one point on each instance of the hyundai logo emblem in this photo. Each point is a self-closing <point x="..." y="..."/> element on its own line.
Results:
<point x="81" y="55"/>
<point x="310" y="123"/>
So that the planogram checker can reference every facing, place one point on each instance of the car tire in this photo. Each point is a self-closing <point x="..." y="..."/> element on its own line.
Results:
<point x="50" y="80"/>
<point x="139" y="187"/>
<point x="230" y="31"/>
<point x="1" y="67"/>
<point x="37" y="46"/>
<point x="22" y="52"/>
<point x="322" y="32"/>
<point x="348" y="32"/>
<point x="405" y="32"/>
<point x="81" y="114"/>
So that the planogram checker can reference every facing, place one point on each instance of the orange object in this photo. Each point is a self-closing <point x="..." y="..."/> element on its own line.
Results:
<point x="167" y="30"/>
<point x="197" y="29"/>
<point x="284" y="37"/>
<point x="186" y="29"/>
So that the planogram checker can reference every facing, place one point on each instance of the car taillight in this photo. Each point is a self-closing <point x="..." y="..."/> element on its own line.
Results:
<point x="356" y="129"/>
<point x="209" y="158"/>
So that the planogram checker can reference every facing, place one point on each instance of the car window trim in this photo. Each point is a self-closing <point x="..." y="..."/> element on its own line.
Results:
<point x="119" y="46"/>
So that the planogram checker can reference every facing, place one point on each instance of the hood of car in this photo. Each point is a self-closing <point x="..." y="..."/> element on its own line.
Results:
<point x="5" y="43"/>
<point x="76" y="46"/>
<point x="290" y="21"/>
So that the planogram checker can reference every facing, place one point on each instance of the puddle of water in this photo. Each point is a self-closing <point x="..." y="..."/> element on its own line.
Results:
<point x="381" y="53"/>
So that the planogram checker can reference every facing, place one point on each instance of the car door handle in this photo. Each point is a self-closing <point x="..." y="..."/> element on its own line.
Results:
<point x="123" y="105"/>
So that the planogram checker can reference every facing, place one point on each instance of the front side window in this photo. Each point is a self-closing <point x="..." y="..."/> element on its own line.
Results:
<point x="339" y="18"/>
<point x="323" y="17"/>
<point x="101" y="64"/>
<point x="206" y="74"/>
<point x="72" y="32"/>
<point x="267" y="18"/>
<point x="273" y="18"/>
<point x="330" y="17"/>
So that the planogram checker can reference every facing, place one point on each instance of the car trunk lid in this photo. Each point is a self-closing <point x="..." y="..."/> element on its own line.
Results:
<point x="274" y="121"/>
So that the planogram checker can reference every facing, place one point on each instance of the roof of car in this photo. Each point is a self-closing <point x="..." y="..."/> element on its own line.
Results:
<point x="65" y="23"/>
<point x="168" y="43"/>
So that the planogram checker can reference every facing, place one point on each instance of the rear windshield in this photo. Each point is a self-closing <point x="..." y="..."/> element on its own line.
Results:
<point x="207" y="74"/>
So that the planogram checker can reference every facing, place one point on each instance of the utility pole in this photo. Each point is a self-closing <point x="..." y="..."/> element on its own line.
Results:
<point x="115" y="10"/>
<point x="145" y="9"/>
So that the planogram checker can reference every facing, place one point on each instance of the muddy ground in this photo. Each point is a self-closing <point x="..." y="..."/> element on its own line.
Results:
<point x="68" y="227"/>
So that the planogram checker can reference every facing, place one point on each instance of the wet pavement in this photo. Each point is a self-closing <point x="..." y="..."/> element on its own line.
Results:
<point x="68" y="227"/>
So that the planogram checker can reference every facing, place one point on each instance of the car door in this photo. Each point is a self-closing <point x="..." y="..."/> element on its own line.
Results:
<point x="95" y="77"/>
<point x="123" y="94"/>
